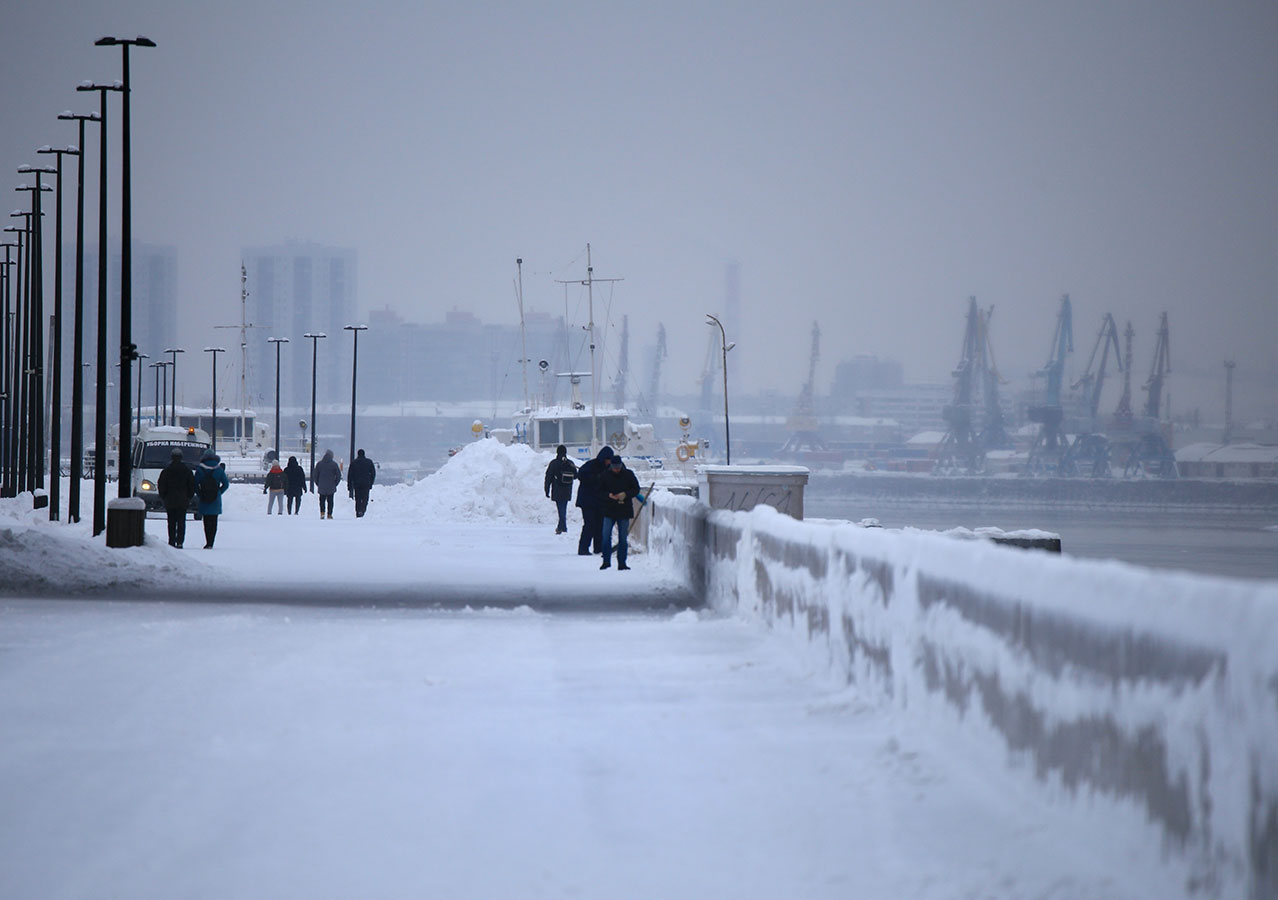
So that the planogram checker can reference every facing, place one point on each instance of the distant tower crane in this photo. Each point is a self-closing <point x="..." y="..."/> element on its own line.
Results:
<point x="1152" y="454"/>
<point x="623" y="364"/>
<point x="1123" y="413"/>
<point x="802" y="422"/>
<point x="1049" y="444"/>
<point x="993" y="430"/>
<point x="654" y="386"/>
<point x="959" y="451"/>
<point x="1230" y="365"/>
<point x="1089" y="454"/>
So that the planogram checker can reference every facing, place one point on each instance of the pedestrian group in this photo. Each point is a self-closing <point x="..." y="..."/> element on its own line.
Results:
<point x="605" y="491"/>
<point x="178" y="487"/>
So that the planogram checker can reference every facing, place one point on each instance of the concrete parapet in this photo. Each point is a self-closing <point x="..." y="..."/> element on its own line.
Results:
<point x="1154" y="689"/>
<point x="742" y="488"/>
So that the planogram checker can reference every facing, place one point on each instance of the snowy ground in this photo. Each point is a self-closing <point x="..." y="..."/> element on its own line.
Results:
<point x="612" y="748"/>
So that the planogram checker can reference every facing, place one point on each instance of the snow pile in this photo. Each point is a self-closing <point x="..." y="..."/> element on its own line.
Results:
<point x="39" y="557"/>
<point x="486" y="481"/>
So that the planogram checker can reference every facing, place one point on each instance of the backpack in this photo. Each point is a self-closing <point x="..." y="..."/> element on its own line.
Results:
<point x="208" y="488"/>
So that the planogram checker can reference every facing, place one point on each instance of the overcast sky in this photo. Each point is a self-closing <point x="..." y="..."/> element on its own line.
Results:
<point x="869" y="166"/>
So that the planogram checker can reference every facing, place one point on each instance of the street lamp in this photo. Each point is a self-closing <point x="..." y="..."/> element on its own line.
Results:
<point x="164" y="385"/>
<point x="33" y="337"/>
<point x="99" y="424"/>
<point x="315" y="339"/>
<point x="727" y="434"/>
<point x="5" y="363"/>
<point x="354" y="330"/>
<point x="13" y="362"/>
<point x="215" y="351"/>
<point x="128" y="350"/>
<point x="140" y="356"/>
<point x="173" y="352"/>
<point x="155" y="407"/>
<point x="55" y="400"/>
<point x="77" y="338"/>
<point x="277" y="341"/>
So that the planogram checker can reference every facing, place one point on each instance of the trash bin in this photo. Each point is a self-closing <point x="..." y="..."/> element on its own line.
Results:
<point x="40" y="500"/>
<point x="126" y="522"/>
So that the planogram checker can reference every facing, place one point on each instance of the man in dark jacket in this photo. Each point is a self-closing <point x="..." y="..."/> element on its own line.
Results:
<point x="617" y="487"/>
<point x="559" y="477"/>
<point x="360" y="480"/>
<point x="588" y="498"/>
<point x="294" y="485"/>
<point x="176" y="487"/>
<point x="328" y="475"/>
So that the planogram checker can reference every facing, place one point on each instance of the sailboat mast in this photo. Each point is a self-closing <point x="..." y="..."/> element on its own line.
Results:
<point x="523" y="337"/>
<point x="243" y="354"/>
<point x="594" y="393"/>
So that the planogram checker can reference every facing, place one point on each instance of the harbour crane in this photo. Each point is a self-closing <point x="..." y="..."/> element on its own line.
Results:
<point x="993" y="430"/>
<point x="1089" y="453"/>
<point x="802" y="422"/>
<point x="655" y="385"/>
<point x="1049" y="443"/>
<point x="959" y="451"/>
<point x="1152" y="454"/>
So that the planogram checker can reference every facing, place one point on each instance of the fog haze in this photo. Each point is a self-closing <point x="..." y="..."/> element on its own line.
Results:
<point x="868" y="166"/>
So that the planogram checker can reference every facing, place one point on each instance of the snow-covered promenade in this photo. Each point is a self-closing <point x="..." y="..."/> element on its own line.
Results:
<point x="443" y="700"/>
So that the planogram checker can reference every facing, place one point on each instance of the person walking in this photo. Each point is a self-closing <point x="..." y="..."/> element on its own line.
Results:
<point x="617" y="487"/>
<point x="328" y="475"/>
<point x="275" y="484"/>
<point x="360" y="480"/>
<point x="294" y="485"/>
<point x="588" y="501"/>
<point x="210" y="484"/>
<point x="176" y="487"/>
<point x="560" y="474"/>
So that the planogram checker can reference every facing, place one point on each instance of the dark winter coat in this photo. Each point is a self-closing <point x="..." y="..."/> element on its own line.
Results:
<point x="328" y="474"/>
<point x="209" y="468"/>
<point x="176" y="485"/>
<point x="588" y="496"/>
<point x="560" y="475"/>
<point x="361" y="474"/>
<point x="295" y="479"/>
<point x="618" y="482"/>
<point x="274" y="479"/>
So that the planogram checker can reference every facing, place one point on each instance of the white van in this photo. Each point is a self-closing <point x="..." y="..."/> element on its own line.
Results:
<point x="153" y="450"/>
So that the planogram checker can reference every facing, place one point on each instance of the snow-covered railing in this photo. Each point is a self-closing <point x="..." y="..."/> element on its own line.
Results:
<point x="1154" y="688"/>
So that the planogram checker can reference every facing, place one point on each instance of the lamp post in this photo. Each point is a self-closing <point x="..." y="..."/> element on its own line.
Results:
<point x="55" y="404"/>
<point x="138" y="405"/>
<point x="99" y="424"/>
<point x="77" y="337"/>
<point x="12" y="362"/>
<point x="155" y="407"/>
<point x="5" y="354"/>
<point x="277" y="341"/>
<point x="315" y="339"/>
<point x="173" y="352"/>
<point x="164" y="386"/>
<point x="128" y="351"/>
<point x="215" y="351"/>
<point x="30" y="437"/>
<point x="727" y="434"/>
<point x="354" y="330"/>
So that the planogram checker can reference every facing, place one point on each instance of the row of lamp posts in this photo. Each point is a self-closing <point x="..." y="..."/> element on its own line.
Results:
<point x="22" y="388"/>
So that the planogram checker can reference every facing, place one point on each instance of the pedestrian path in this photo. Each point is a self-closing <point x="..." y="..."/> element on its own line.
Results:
<point x="346" y="561"/>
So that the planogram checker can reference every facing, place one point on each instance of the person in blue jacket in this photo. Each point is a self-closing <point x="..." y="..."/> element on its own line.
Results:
<point x="210" y="484"/>
<point x="590" y="502"/>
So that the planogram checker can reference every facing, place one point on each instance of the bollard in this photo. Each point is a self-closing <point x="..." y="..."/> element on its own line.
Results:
<point x="126" y="522"/>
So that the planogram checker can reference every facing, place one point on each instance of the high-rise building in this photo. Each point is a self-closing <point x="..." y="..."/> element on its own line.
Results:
<point x="295" y="288"/>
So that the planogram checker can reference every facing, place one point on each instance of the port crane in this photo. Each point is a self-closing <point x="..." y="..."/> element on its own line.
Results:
<point x="960" y="452"/>
<point x="1151" y="454"/>
<point x="993" y="430"/>
<point x="1049" y="443"/>
<point x="802" y="422"/>
<point x="1089" y="453"/>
